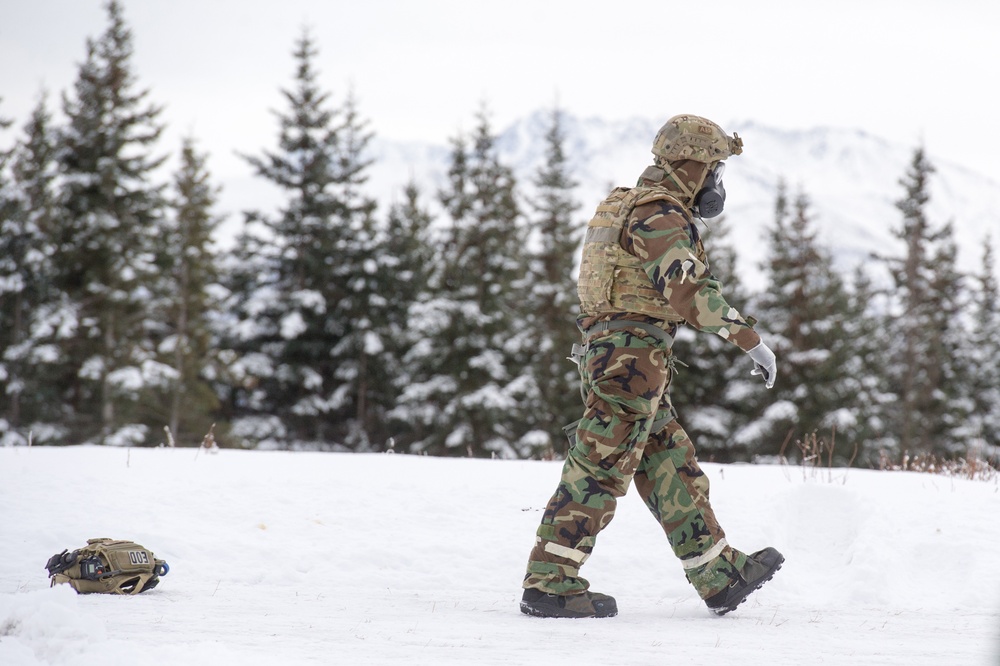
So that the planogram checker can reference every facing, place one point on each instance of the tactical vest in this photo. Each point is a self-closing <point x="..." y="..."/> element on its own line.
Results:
<point x="612" y="280"/>
<point x="107" y="565"/>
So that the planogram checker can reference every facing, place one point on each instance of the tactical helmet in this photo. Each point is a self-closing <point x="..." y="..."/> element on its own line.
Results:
<point x="688" y="137"/>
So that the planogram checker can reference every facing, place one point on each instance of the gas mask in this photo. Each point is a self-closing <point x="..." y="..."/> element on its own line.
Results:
<point x="711" y="198"/>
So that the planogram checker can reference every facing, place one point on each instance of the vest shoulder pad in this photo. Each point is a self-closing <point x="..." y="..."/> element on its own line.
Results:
<point x="650" y="194"/>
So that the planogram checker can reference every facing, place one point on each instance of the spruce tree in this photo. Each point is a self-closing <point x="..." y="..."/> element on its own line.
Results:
<point x="247" y="273"/>
<point x="984" y="357"/>
<point x="912" y="276"/>
<point x="30" y="316"/>
<point x="554" y="305"/>
<point x="302" y="328"/>
<point x="108" y="231"/>
<point x="471" y="376"/>
<point x="927" y="293"/>
<point x="191" y="277"/>
<point x="11" y="300"/>
<point x="362" y="373"/>
<point x="406" y="260"/>
<point x="866" y="395"/>
<point x="9" y="273"/>
<point x="948" y="337"/>
<point x="802" y="310"/>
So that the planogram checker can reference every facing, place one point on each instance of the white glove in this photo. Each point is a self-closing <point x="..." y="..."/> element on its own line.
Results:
<point x="763" y="364"/>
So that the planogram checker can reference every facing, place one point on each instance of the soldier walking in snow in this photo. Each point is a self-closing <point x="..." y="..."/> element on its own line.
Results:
<point x="644" y="273"/>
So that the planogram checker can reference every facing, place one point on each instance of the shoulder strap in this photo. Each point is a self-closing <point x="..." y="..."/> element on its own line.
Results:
<point x="650" y="194"/>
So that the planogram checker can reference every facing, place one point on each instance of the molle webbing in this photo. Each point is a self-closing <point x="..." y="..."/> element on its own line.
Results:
<point x="109" y="566"/>
<point x="611" y="279"/>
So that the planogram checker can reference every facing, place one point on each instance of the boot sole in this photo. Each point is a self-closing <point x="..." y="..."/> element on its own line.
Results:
<point x="528" y="609"/>
<point x="759" y="584"/>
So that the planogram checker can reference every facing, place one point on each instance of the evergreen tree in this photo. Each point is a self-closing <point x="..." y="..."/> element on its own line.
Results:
<point x="928" y="294"/>
<point x="803" y="309"/>
<point x="302" y="329"/>
<point x="710" y="381"/>
<point x="108" y="231"/>
<point x="29" y="315"/>
<point x="191" y="274"/>
<point x="11" y="300"/>
<point x="866" y="395"/>
<point x="984" y="357"/>
<point x="247" y="273"/>
<point x="471" y="376"/>
<point x="406" y="260"/>
<point x="554" y="305"/>
<point x="362" y="375"/>
<point x="948" y="338"/>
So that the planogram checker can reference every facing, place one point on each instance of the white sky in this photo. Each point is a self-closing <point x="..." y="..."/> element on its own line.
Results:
<point x="912" y="71"/>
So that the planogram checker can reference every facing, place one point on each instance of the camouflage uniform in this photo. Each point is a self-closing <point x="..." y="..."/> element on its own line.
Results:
<point x="644" y="273"/>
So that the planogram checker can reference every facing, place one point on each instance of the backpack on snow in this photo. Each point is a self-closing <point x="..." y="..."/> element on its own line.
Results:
<point x="109" y="566"/>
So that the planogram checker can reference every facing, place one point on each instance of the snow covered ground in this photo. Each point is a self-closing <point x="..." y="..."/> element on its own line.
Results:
<point x="285" y="558"/>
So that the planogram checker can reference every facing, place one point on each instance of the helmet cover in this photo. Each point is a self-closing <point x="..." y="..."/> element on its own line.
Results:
<point x="688" y="137"/>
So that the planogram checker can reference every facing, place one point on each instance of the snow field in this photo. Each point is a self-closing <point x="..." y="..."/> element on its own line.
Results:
<point x="329" y="558"/>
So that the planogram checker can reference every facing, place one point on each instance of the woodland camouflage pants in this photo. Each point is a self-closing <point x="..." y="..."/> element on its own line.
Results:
<point x="626" y="374"/>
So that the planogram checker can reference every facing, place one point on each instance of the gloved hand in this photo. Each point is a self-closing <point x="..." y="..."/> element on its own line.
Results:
<point x="763" y="364"/>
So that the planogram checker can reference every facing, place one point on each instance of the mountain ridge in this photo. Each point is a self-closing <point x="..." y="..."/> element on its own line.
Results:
<point x="850" y="176"/>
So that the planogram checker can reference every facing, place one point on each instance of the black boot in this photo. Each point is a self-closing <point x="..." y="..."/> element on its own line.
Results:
<point x="759" y="569"/>
<point x="589" y="604"/>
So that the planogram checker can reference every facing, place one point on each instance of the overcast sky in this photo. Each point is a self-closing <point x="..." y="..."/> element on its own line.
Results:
<point x="915" y="71"/>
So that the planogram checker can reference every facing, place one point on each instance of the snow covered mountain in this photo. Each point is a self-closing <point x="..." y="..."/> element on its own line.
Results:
<point x="850" y="177"/>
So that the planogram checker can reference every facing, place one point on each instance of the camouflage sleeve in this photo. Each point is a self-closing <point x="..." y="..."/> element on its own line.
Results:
<point x="667" y="243"/>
